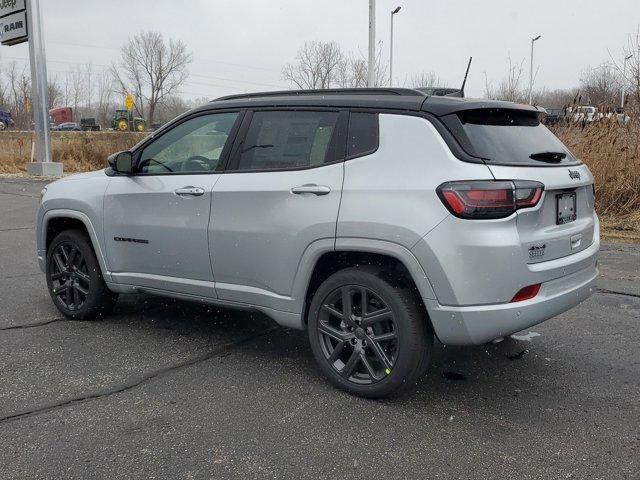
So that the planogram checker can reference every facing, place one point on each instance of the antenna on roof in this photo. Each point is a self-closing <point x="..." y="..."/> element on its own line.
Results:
<point x="464" y="82"/>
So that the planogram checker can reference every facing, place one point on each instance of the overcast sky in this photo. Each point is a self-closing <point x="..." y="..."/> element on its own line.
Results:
<point x="241" y="45"/>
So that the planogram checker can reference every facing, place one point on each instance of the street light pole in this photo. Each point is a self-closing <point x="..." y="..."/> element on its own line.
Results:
<point x="533" y="40"/>
<point x="393" y="12"/>
<point x="371" y="74"/>
<point x="624" y="80"/>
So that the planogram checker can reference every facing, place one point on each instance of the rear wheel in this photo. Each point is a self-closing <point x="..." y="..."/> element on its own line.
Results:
<point x="2" y="126"/>
<point x="74" y="278"/>
<point x="369" y="336"/>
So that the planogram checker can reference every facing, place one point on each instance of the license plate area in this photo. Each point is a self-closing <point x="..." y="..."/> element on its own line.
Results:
<point x="566" y="208"/>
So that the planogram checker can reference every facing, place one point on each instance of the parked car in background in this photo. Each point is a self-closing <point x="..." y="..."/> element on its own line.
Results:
<point x="586" y="114"/>
<point x="5" y="120"/>
<point x="554" y="116"/>
<point x="89" y="125"/>
<point x="67" y="127"/>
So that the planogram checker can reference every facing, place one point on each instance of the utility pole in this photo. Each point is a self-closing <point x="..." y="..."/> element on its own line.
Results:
<point x="371" y="68"/>
<point x="43" y="165"/>
<point x="393" y="12"/>
<point x="533" y="40"/>
<point x="624" y="82"/>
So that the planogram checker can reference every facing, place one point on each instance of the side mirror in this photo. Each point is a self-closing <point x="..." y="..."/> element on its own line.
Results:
<point x="121" y="162"/>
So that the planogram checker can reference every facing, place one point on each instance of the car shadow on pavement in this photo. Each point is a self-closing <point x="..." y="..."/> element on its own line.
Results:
<point x="508" y="368"/>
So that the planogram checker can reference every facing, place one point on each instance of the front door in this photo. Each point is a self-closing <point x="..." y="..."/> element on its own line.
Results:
<point x="280" y="193"/>
<point x="156" y="221"/>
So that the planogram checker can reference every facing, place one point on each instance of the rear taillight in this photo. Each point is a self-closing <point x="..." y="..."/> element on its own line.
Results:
<point x="526" y="293"/>
<point x="486" y="199"/>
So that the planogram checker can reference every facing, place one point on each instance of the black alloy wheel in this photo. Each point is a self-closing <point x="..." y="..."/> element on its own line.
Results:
<point x="69" y="276"/>
<point x="357" y="334"/>
<point x="74" y="278"/>
<point x="369" y="334"/>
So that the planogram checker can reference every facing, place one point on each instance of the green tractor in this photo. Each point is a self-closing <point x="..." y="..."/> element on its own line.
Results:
<point x="124" y="121"/>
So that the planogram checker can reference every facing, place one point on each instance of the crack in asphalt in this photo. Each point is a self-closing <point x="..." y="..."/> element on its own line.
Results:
<point x="14" y="229"/>
<point x="137" y="382"/>
<point x="32" y="325"/>
<point x="614" y="292"/>
<point x="18" y="194"/>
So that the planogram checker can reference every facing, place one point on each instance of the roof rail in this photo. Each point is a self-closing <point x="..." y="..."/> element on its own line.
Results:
<point x="327" y="91"/>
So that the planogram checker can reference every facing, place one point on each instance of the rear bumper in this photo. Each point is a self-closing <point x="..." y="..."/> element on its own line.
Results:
<point x="475" y="325"/>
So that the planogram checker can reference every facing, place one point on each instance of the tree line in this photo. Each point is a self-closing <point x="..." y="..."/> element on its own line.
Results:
<point x="153" y="69"/>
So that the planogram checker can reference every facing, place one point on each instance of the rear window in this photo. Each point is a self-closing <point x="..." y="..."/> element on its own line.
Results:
<point x="511" y="137"/>
<point x="286" y="139"/>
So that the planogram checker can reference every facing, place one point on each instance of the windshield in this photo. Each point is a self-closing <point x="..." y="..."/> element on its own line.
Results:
<point x="511" y="137"/>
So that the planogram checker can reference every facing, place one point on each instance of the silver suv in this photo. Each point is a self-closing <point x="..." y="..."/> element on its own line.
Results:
<point x="376" y="219"/>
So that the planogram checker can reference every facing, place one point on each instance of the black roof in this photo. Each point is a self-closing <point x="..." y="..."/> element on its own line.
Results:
<point x="378" y="98"/>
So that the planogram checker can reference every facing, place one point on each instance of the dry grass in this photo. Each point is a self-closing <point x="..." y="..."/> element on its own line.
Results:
<point x="78" y="151"/>
<point x="611" y="150"/>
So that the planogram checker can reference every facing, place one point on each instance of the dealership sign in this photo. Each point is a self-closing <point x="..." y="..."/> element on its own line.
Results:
<point x="13" y="22"/>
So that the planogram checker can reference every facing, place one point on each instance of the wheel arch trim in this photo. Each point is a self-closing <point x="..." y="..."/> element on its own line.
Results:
<point x="86" y="221"/>
<point x="395" y="250"/>
<point x="315" y="251"/>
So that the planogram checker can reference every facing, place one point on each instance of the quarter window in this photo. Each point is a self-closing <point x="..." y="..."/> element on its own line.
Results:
<point x="363" y="134"/>
<point x="193" y="146"/>
<point x="288" y="139"/>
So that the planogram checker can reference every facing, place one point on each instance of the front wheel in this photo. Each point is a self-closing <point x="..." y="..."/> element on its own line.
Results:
<point x="74" y="278"/>
<point x="369" y="336"/>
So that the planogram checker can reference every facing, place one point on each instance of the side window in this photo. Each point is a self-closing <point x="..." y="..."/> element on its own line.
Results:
<point x="192" y="146"/>
<point x="363" y="134"/>
<point x="288" y="139"/>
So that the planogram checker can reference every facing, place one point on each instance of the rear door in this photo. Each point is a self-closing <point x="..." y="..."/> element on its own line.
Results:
<point x="281" y="192"/>
<point x="516" y="146"/>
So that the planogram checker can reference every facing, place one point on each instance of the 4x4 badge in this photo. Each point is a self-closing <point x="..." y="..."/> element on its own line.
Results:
<point x="574" y="174"/>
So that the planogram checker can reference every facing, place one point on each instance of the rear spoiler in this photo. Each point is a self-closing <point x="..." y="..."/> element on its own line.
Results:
<point x="440" y="106"/>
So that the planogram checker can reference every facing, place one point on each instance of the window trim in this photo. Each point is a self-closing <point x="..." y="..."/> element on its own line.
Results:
<point x="338" y="139"/>
<point x="137" y="153"/>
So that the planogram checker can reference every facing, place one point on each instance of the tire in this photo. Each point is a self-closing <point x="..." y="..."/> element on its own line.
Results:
<point x="2" y="126"/>
<point x="122" y="125"/>
<point x="345" y="348"/>
<point x="140" y="127"/>
<point x="74" y="279"/>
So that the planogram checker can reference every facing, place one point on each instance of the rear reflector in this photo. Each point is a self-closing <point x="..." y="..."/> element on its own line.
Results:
<point x="526" y="293"/>
<point x="488" y="199"/>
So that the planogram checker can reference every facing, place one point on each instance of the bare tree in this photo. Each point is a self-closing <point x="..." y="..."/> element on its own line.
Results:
<point x="325" y="65"/>
<point x="509" y="88"/>
<point x="600" y="86"/>
<point x="425" y="79"/>
<point x="630" y="74"/>
<point x="54" y="92"/>
<point x="151" y="69"/>
<point x="317" y="65"/>
<point x="354" y="71"/>
<point x="16" y="93"/>
<point x="104" y="98"/>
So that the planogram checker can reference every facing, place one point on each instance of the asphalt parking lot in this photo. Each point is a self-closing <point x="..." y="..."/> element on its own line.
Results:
<point x="173" y="390"/>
